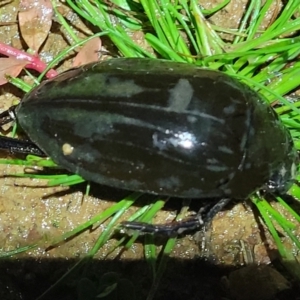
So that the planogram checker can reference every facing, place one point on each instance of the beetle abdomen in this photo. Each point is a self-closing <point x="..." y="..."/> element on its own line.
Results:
<point x="158" y="127"/>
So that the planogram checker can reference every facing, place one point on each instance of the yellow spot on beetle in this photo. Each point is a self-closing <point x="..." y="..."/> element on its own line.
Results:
<point x="67" y="149"/>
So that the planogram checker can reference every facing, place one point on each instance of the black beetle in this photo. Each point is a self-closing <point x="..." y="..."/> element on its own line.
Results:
<point x="160" y="127"/>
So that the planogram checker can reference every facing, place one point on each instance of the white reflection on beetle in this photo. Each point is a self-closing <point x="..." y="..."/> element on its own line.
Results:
<point x="184" y="140"/>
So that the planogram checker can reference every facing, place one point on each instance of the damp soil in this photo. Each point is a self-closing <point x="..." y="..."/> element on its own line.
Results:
<point x="205" y="265"/>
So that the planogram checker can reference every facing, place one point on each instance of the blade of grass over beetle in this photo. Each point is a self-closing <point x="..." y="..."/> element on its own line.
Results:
<point x="19" y="83"/>
<point x="266" y="90"/>
<point x="166" y="28"/>
<point x="208" y="40"/>
<point x="4" y="254"/>
<point x="287" y="256"/>
<point x="40" y="162"/>
<point x="98" y="15"/>
<point x="144" y="216"/>
<point x="159" y="261"/>
<point x="65" y="24"/>
<point x="162" y="265"/>
<point x="295" y="189"/>
<point x="121" y="241"/>
<point x="150" y="253"/>
<point x="99" y="219"/>
<point x="209" y="12"/>
<point x="288" y="208"/>
<point x="109" y="230"/>
<point x="53" y="180"/>
<point x="251" y="11"/>
<point x="268" y="211"/>
<point x="260" y="205"/>
<point x="67" y="50"/>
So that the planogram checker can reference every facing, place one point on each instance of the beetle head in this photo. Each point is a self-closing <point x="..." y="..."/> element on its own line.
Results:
<point x="283" y="178"/>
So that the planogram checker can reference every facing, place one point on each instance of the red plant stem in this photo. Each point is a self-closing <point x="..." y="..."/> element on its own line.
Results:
<point x="34" y="62"/>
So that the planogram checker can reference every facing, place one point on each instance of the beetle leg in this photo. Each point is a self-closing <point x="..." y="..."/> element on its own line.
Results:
<point x="18" y="146"/>
<point x="214" y="210"/>
<point x="8" y="115"/>
<point x="172" y="229"/>
<point x="176" y="228"/>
